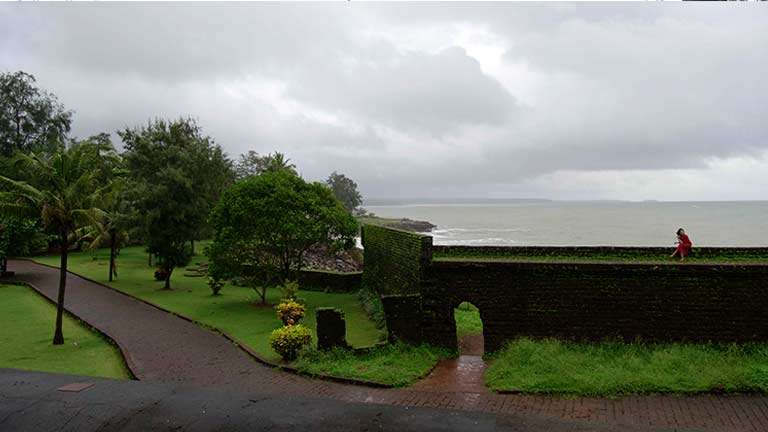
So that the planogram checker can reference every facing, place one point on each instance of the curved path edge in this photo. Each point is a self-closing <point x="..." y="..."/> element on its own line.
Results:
<point x="247" y="349"/>
<point x="125" y="355"/>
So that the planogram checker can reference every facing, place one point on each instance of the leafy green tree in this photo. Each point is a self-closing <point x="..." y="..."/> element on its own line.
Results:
<point x="19" y="236"/>
<point x="62" y="190"/>
<point x="252" y="164"/>
<point x="264" y="225"/>
<point x="345" y="190"/>
<point x="31" y="119"/>
<point x="177" y="175"/>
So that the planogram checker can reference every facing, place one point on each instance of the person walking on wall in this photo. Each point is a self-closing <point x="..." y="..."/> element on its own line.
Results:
<point x="684" y="245"/>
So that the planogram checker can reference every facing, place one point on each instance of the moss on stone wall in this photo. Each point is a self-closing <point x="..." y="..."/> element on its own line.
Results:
<point x="394" y="260"/>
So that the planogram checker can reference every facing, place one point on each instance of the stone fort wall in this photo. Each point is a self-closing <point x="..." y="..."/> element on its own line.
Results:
<point x="579" y="301"/>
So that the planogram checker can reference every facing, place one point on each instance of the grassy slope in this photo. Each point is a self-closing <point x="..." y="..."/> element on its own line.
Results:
<point x="235" y="311"/>
<point x="614" y="368"/>
<point x="27" y="321"/>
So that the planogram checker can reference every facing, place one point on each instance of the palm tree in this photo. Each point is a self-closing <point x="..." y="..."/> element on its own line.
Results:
<point x="62" y="190"/>
<point x="112" y="220"/>
<point x="111" y="226"/>
<point x="278" y="162"/>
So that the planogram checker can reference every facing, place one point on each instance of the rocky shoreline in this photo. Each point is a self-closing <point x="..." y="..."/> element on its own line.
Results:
<point x="413" y="225"/>
<point x="321" y="258"/>
<point x="404" y="224"/>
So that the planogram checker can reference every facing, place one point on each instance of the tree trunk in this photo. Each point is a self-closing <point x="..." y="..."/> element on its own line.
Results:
<point x="192" y="246"/>
<point x="263" y="294"/>
<point x="58" y="335"/>
<point x="3" y="265"/>
<point x="150" y="259"/>
<point x="168" y="280"/>
<point x="112" y="242"/>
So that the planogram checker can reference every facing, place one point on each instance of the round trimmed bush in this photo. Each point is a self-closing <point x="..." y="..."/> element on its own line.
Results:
<point x="290" y="312"/>
<point x="289" y="340"/>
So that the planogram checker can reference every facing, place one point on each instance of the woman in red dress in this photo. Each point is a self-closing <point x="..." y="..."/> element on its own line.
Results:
<point x="684" y="245"/>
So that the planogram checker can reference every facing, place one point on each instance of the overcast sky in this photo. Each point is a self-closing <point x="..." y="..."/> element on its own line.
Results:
<point x="563" y="101"/>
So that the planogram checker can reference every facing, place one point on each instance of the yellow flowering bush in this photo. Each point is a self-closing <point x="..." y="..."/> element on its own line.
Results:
<point x="289" y="340"/>
<point x="290" y="312"/>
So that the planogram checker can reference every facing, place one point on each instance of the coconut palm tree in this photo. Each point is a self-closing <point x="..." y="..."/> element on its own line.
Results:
<point x="110" y="227"/>
<point x="61" y="189"/>
<point x="113" y="219"/>
<point x="278" y="162"/>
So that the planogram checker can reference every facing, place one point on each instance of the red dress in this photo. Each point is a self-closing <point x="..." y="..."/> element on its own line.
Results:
<point x="684" y="245"/>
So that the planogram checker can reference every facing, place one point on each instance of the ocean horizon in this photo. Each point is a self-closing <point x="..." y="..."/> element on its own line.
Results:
<point x="530" y="221"/>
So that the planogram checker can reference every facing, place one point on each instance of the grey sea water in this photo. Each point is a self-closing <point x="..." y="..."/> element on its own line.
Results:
<point x="586" y="223"/>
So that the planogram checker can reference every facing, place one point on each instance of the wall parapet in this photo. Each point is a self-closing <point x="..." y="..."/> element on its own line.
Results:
<point x="714" y="253"/>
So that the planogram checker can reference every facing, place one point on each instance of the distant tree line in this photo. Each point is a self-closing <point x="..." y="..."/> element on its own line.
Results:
<point x="171" y="184"/>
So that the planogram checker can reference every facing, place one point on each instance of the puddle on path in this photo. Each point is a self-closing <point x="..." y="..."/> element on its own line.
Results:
<point x="461" y="375"/>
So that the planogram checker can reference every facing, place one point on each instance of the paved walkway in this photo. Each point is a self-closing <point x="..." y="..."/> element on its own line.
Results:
<point x="36" y="401"/>
<point x="160" y="347"/>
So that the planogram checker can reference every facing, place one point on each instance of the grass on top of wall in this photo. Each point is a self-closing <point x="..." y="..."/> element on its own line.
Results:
<point x="616" y="368"/>
<point x="603" y="257"/>
<point x="236" y="311"/>
<point x="27" y="320"/>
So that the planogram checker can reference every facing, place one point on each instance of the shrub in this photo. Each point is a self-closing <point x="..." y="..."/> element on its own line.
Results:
<point x="290" y="290"/>
<point x="216" y="285"/>
<point x="289" y="340"/>
<point x="290" y="312"/>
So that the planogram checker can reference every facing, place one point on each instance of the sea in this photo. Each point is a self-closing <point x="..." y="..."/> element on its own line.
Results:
<point x="583" y="223"/>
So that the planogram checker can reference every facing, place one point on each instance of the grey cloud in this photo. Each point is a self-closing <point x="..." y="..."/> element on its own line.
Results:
<point x="616" y="86"/>
<point x="417" y="91"/>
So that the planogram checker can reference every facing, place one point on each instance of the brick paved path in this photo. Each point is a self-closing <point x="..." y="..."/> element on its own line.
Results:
<point x="160" y="347"/>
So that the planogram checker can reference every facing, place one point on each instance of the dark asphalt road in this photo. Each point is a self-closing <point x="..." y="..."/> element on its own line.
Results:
<point x="30" y="401"/>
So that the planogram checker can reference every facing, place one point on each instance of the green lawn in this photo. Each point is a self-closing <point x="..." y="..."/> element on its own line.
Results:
<point x="236" y="311"/>
<point x="27" y="320"/>
<point x="468" y="321"/>
<point x="615" y="368"/>
<point x="396" y="364"/>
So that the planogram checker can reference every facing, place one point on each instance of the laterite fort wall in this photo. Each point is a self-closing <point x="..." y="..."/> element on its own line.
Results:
<point x="584" y="301"/>
<point x="595" y="301"/>
<point x="394" y="260"/>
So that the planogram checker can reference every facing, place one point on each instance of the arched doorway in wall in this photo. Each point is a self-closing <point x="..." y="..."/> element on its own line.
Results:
<point x="469" y="329"/>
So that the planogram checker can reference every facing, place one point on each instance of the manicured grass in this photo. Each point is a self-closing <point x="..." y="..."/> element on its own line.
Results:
<point x="615" y="368"/>
<point x="27" y="320"/>
<point x="468" y="321"/>
<point x="397" y="364"/>
<point x="236" y="311"/>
